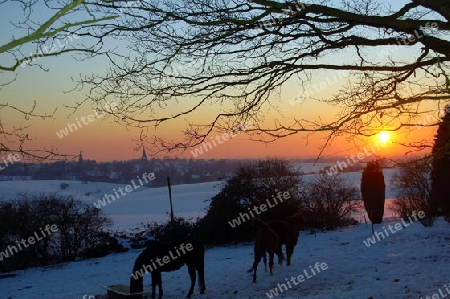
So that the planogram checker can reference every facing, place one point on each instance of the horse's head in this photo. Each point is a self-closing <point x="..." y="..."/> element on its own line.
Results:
<point x="136" y="278"/>
<point x="136" y="285"/>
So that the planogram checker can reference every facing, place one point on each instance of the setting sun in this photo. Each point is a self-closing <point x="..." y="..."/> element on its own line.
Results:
<point x="383" y="136"/>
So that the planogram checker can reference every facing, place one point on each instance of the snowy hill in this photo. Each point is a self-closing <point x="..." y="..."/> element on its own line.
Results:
<point x="409" y="263"/>
<point x="128" y="211"/>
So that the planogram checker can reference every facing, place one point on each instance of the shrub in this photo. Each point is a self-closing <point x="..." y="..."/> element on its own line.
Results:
<point x="103" y="245"/>
<point x="171" y="231"/>
<point x="167" y="232"/>
<point x="251" y="186"/>
<point x="80" y="229"/>
<point x="329" y="201"/>
<point x="412" y="187"/>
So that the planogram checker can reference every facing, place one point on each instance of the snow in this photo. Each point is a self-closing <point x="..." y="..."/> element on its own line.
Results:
<point x="409" y="263"/>
<point x="132" y="210"/>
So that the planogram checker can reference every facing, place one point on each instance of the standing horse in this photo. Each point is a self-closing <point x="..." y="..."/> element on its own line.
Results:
<point x="288" y="231"/>
<point x="266" y="240"/>
<point x="158" y="257"/>
<point x="259" y="224"/>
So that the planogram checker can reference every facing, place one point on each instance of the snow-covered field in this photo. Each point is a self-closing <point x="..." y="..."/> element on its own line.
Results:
<point x="133" y="210"/>
<point x="410" y="263"/>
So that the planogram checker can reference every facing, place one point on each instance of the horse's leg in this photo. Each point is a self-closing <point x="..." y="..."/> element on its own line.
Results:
<point x="192" y="274"/>
<point x="255" y="267"/>
<point x="265" y="262"/>
<point x="201" y="279"/>
<point x="161" y="292"/>
<point x="271" y="253"/>
<point x="255" y="264"/>
<point x="288" y="253"/>
<point x="292" y="245"/>
<point x="297" y="234"/>
<point x="280" y="254"/>
<point x="156" y="280"/>
<point x="153" y="284"/>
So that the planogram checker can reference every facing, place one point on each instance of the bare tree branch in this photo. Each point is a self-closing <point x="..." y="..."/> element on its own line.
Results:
<point x="240" y="55"/>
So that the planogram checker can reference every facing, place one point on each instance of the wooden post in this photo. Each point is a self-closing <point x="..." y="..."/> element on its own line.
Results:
<point x="170" y="199"/>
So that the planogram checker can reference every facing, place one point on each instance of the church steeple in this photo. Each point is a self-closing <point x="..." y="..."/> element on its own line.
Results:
<point x="144" y="155"/>
<point x="80" y="157"/>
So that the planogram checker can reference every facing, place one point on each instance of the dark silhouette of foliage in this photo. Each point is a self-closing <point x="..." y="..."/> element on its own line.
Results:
<point x="214" y="228"/>
<point x="440" y="173"/>
<point x="412" y="185"/>
<point x="373" y="191"/>
<point x="167" y="232"/>
<point x="243" y="55"/>
<point x="172" y="230"/>
<point x="80" y="230"/>
<point x="251" y="186"/>
<point x="329" y="201"/>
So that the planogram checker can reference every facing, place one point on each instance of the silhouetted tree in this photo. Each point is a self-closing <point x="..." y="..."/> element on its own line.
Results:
<point x="412" y="185"/>
<point x="247" y="55"/>
<point x="240" y="55"/>
<point x="373" y="191"/>
<point x="440" y="173"/>
<point x="80" y="230"/>
<point x="252" y="185"/>
<point x="329" y="201"/>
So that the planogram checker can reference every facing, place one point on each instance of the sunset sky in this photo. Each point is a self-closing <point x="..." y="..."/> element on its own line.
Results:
<point x="103" y="140"/>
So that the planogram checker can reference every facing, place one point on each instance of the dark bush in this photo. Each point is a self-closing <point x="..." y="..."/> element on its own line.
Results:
<point x="167" y="232"/>
<point x="412" y="186"/>
<point x="171" y="231"/>
<point x="329" y="201"/>
<point x="251" y="186"/>
<point x="104" y="245"/>
<point x="80" y="230"/>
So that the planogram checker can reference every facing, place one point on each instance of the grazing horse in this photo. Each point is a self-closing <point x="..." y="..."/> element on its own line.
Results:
<point x="288" y="231"/>
<point x="266" y="240"/>
<point x="158" y="257"/>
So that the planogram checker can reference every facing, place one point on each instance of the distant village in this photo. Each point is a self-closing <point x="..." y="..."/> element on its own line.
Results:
<point x="180" y="171"/>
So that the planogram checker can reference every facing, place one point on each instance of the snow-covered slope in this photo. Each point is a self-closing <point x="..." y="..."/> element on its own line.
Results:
<point x="132" y="209"/>
<point x="410" y="263"/>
